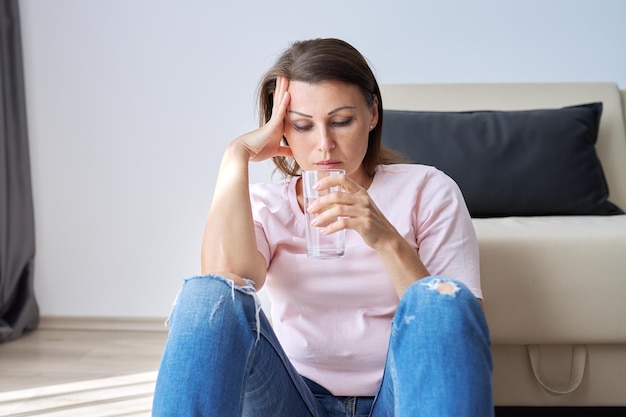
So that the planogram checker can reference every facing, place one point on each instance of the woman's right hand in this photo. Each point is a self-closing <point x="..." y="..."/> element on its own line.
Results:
<point x="266" y="142"/>
<point x="229" y="242"/>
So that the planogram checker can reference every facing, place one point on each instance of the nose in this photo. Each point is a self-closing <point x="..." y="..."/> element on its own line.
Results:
<point x="326" y="141"/>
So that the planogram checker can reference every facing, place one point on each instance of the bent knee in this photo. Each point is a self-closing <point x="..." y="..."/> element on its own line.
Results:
<point x="236" y="279"/>
<point x="444" y="286"/>
<point x="439" y="284"/>
<point x="436" y="290"/>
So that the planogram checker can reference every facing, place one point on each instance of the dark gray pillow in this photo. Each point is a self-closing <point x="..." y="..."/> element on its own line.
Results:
<point x="510" y="163"/>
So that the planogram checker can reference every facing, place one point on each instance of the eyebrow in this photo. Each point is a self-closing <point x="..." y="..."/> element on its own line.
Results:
<point x="329" y="113"/>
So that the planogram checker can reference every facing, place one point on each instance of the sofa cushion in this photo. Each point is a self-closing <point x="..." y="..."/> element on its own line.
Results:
<point x="554" y="280"/>
<point x="511" y="163"/>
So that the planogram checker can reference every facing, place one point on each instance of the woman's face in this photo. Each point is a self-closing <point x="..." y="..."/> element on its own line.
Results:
<point x="327" y="126"/>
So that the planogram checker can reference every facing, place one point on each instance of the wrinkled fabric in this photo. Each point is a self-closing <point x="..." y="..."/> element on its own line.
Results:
<point x="19" y="312"/>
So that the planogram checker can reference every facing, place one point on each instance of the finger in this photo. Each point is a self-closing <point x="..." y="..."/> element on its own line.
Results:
<point x="279" y="92"/>
<point x="281" y="100"/>
<point x="341" y="180"/>
<point x="276" y="96"/>
<point x="284" y="103"/>
<point x="331" y="206"/>
<point x="349" y="186"/>
<point x="341" y="223"/>
<point x="279" y="118"/>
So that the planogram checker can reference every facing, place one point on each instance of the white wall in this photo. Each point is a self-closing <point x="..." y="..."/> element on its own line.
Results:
<point x="131" y="102"/>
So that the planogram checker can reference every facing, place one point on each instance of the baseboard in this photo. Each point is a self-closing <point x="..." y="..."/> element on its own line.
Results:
<point x="560" y="411"/>
<point x="150" y="324"/>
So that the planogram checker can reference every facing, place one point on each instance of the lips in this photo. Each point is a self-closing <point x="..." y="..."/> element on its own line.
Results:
<point x="329" y="164"/>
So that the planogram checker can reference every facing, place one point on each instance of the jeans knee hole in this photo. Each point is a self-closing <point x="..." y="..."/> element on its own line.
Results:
<point x="443" y="287"/>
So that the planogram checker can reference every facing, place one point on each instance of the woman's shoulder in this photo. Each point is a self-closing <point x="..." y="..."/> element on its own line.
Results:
<point x="403" y="172"/>
<point x="422" y="178"/>
<point x="422" y="185"/>
<point x="269" y="193"/>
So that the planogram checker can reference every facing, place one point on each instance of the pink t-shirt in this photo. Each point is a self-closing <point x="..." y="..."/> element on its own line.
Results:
<point x="333" y="317"/>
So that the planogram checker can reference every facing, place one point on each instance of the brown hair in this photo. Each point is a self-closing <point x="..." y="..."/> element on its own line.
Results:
<point x="318" y="60"/>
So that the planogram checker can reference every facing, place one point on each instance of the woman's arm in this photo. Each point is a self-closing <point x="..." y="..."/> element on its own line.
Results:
<point x="354" y="209"/>
<point x="357" y="211"/>
<point x="402" y="263"/>
<point x="229" y="242"/>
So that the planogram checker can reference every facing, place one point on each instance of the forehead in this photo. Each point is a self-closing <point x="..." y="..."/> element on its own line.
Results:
<point x="324" y="94"/>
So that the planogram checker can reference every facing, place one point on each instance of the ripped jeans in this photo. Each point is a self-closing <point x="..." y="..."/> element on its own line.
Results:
<point x="222" y="359"/>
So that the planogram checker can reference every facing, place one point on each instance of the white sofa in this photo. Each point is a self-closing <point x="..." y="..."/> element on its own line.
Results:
<point x="554" y="285"/>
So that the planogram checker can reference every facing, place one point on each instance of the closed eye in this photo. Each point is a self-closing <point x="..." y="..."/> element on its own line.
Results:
<point x="302" y="127"/>
<point x="340" y="123"/>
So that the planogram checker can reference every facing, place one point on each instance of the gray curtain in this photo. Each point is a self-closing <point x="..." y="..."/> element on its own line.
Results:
<point x="18" y="308"/>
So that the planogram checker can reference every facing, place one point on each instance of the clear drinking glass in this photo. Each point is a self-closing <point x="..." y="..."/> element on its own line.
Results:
<point x="319" y="245"/>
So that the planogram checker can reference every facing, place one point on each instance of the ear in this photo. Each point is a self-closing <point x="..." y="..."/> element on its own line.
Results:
<point x="374" y="119"/>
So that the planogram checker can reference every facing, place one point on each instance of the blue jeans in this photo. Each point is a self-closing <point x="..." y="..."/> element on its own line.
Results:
<point x="222" y="359"/>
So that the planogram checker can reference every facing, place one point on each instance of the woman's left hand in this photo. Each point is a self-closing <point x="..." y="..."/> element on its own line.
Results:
<point x="351" y="209"/>
<point x="354" y="209"/>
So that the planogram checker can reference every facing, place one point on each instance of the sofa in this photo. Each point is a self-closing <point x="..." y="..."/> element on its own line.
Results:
<point x="543" y="169"/>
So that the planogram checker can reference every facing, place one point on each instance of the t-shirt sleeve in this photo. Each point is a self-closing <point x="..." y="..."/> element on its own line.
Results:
<point x="446" y="239"/>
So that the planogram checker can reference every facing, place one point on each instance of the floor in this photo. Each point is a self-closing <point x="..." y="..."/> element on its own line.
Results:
<point x="65" y="372"/>
<point x="56" y="372"/>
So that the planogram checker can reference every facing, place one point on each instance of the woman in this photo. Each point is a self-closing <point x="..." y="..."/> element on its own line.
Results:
<point x="376" y="333"/>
